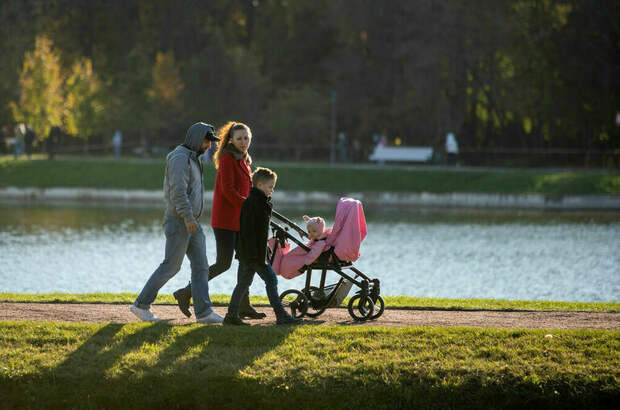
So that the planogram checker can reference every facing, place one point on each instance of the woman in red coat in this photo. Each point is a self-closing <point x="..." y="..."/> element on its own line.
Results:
<point x="232" y="187"/>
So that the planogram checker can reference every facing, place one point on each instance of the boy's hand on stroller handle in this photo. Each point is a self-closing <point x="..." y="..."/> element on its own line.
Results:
<point x="290" y="223"/>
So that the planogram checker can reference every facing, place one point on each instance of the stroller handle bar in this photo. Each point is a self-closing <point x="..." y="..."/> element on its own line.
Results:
<point x="281" y="231"/>
<point x="290" y="223"/>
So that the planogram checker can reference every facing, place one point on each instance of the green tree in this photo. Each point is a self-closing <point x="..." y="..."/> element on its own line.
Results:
<point x="165" y="91"/>
<point x="298" y="117"/>
<point x="84" y="107"/>
<point x="41" y="102"/>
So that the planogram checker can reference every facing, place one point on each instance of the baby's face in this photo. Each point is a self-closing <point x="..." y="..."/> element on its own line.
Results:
<point x="313" y="233"/>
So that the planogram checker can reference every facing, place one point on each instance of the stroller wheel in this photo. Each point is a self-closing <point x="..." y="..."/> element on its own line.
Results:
<point x="361" y="308"/>
<point x="295" y="301"/>
<point x="316" y="301"/>
<point x="378" y="309"/>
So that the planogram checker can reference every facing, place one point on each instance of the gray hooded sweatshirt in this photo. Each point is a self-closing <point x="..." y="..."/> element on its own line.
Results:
<point x="183" y="186"/>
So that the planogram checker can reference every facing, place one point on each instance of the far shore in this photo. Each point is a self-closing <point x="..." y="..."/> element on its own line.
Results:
<point x="303" y="198"/>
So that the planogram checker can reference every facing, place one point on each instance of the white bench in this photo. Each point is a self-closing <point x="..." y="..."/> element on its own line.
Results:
<point x="401" y="154"/>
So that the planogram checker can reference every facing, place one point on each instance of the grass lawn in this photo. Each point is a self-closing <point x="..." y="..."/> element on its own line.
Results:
<point x="59" y="365"/>
<point x="391" y="302"/>
<point x="148" y="174"/>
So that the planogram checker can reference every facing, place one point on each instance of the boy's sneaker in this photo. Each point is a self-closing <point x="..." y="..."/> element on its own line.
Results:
<point x="143" y="314"/>
<point x="211" y="318"/>
<point x="288" y="320"/>
<point x="234" y="320"/>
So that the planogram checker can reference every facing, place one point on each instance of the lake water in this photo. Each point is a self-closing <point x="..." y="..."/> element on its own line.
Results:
<point x="427" y="253"/>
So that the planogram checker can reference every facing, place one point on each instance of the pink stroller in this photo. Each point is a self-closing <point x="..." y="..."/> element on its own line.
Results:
<point x="336" y="253"/>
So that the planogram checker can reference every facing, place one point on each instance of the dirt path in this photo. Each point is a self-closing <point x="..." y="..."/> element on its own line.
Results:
<point x="65" y="312"/>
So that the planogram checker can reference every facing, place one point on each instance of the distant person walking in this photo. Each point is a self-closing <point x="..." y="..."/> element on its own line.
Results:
<point x="117" y="143"/>
<point x="53" y="139"/>
<point x="183" y="191"/>
<point x="20" y="135"/>
<point x="4" y="138"/>
<point x="232" y="187"/>
<point x="29" y="138"/>
<point x="452" y="149"/>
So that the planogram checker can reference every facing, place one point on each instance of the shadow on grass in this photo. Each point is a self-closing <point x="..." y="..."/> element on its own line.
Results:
<point x="159" y="366"/>
<point x="121" y="366"/>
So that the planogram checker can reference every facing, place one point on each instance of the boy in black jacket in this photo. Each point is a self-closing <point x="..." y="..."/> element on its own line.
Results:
<point x="252" y="249"/>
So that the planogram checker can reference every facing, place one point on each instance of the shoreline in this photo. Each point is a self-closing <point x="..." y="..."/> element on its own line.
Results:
<point x="400" y="199"/>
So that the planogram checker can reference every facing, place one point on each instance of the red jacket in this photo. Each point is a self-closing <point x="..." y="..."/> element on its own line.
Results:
<point x="232" y="187"/>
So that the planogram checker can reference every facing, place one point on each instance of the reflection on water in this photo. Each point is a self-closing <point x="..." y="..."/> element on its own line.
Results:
<point x="430" y="253"/>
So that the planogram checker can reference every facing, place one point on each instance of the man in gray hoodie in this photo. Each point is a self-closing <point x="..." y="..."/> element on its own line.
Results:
<point x="183" y="190"/>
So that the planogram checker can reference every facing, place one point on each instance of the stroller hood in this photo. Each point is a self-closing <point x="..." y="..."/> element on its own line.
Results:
<point x="349" y="229"/>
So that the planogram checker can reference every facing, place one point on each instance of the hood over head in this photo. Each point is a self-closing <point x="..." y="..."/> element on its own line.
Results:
<point x="197" y="133"/>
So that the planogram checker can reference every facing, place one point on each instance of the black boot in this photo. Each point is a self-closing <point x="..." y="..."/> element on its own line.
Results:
<point x="247" y="311"/>
<point x="287" y="319"/>
<point x="234" y="320"/>
<point x="183" y="297"/>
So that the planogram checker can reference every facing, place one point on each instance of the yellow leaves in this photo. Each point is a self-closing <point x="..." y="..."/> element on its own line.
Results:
<point x="49" y="97"/>
<point x="481" y="112"/>
<point x="41" y="100"/>
<point x="527" y="125"/>
<point x="82" y="103"/>
<point x="166" y="82"/>
<point x="239" y="18"/>
<point x="505" y="65"/>
<point x="165" y="91"/>
<point x="561" y="14"/>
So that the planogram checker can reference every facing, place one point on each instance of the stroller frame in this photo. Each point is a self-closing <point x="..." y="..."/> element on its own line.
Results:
<point x="312" y="301"/>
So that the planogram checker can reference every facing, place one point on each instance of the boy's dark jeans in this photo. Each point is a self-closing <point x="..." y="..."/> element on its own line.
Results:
<point x="225" y="241"/>
<point x="244" y="280"/>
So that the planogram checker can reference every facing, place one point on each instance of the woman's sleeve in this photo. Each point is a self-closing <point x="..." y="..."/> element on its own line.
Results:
<point x="229" y="190"/>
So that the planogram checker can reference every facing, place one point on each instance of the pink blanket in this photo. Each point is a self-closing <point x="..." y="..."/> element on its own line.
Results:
<point x="345" y="236"/>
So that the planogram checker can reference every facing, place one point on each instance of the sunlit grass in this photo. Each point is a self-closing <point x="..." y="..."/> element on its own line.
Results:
<point x="143" y="365"/>
<point x="10" y="159"/>
<point x="391" y="302"/>
<point x="579" y="182"/>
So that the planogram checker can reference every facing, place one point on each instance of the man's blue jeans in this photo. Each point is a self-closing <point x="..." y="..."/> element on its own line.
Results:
<point x="245" y="275"/>
<point x="178" y="244"/>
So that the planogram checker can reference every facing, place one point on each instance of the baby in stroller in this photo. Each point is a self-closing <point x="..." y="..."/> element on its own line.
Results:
<point x="346" y="236"/>
<point x="328" y="250"/>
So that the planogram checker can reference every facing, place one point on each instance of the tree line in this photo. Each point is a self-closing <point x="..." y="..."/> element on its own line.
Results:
<point x="506" y="75"/>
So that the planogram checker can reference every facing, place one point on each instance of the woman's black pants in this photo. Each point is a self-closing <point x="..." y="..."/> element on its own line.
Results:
<point x="225" y="242"/>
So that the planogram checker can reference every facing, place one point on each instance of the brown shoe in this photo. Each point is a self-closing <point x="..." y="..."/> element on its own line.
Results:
<point x="247" y="311"/>
<point x="234" y="320"/>
<point x="252" y="314"/>
<point x="289" y="320"/>
<point x="183" y="296"/>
